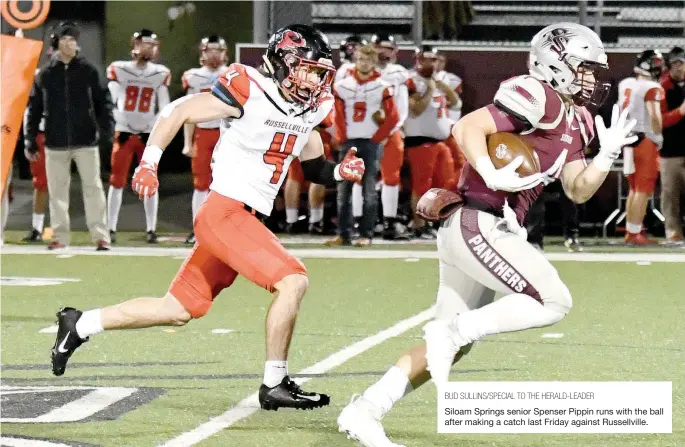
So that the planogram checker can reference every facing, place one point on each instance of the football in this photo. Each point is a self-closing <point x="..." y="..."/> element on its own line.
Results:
<point x="504" y="147"/>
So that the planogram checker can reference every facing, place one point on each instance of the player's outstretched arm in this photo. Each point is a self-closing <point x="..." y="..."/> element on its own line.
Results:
<point x="580" y="182"/>
<point x="188" y="109"/>
<point x="317" y="169"/>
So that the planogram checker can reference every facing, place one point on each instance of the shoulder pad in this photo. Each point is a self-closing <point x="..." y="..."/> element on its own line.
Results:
<point x="531" y="101"/>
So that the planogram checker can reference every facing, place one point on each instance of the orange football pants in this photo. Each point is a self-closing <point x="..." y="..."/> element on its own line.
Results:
<point x="393" y="157"/>
<point x="231" y="241"/>
<point x="204" y="141"/>
<point x="646" y="156"/>
<point x="431" y="167"/>
<point x="125" y="145"/>
<point x="40" y="177"/>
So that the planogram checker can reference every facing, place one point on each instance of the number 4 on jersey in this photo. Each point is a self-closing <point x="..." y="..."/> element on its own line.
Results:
<point x="278" y="152"/>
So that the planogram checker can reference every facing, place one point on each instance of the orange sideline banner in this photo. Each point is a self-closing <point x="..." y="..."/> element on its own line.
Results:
<point x="19" y="60"/>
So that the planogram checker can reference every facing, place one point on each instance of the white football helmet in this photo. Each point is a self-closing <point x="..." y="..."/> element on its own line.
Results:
<point x="571" y="58"/>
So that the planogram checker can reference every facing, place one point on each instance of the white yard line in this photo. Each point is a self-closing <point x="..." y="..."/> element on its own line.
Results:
<point x="326" y="253"/>
<point x="250" y="404"/>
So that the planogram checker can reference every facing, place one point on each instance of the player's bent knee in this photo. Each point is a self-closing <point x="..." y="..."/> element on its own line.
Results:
<point x="559" y="300"/>
<point x="201" y="183"/>
<point x="117" y="181"/>
<point x="297" y="284"/>
<point x="177" y="314"/>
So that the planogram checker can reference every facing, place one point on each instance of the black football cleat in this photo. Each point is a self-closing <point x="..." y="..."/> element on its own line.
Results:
<point x="288" y="394"/>
<point x="113" y="236"/>
<point x="33" y="236"/>
<point x="151" y="237"/>
<point x="67" y="339"/>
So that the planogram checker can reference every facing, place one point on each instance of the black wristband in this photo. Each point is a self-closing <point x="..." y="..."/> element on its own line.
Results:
<point x="319" y="170"/>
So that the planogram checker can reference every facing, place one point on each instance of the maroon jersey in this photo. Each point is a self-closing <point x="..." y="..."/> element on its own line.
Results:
<point x="530" y="107"/>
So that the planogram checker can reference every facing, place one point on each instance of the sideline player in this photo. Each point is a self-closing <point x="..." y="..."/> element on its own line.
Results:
<point x="481" y="247"/>
<point x="641" y="96"/>
<point x="199" y="139"/>
<point x="426" y="129"/>
<point x="136" y="86"/>
<point x="268" y="119"/>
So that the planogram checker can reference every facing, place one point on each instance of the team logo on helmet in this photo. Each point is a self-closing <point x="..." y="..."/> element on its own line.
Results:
<point x="557" y="39"/>
<point x="501" y="151"/>
<point x="290" y="41"/>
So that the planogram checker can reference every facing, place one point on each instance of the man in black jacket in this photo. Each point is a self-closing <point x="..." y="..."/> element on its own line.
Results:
<point x="78" y="112"/>
<point x="672" y="154"/>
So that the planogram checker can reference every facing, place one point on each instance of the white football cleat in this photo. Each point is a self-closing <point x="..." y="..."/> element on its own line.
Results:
<point x="359" y="423"/>
<point x="442" y="345"/>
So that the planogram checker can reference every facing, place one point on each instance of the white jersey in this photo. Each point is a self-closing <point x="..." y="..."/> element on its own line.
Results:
<point x="361" y="101"/>
<point x="455" y="83"/>
<point x="633" y="94"/>
<point x="397" y="76"/>
<point x="252" y="157"/>
<point x="201" y="79"/>
<point x="344" y="71"/>
<point x="434" y="122"/>
<point x="135" y="92"/>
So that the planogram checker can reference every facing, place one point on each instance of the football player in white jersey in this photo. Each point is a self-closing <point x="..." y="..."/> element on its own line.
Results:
<point x="481" y="246"/>
<point x="348" y="47"/>
<point x="200" y="139"/>
<point x="139" y="88"/>
<point x="268" y="118"/>
<point x="393" y="149"/>
<point x="641" y="96"/>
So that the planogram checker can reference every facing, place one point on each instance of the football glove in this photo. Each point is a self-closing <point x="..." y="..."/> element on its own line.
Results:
<point x="351" y="168"/>
<point x="612" y="140"/>
<point x="145" y="181"/>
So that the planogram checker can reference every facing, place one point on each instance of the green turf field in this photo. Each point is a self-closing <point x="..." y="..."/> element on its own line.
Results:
<point x="627" y="324"/>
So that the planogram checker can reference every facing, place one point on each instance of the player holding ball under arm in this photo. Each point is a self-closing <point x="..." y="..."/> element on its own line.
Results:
<point x="268" y="119"/>
<point x="482" y="249"/>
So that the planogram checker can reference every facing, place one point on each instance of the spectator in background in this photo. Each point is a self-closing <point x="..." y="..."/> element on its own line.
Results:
<point x="77" y="111"/>
<point x="365" y="114"/>
<point x="672" y="154"/>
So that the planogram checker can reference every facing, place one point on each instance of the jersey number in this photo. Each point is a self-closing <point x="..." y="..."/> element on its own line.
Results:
<point x="626" y="99"/>
<point x="359" y="111"/>
<point x="278" y="152"/>
<point x="143" y="98"/>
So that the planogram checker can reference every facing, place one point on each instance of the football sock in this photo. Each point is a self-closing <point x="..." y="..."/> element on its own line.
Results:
<point x="393" y="386"/>
<point x="114" y="198"/>
<point x="357" y="200"/>
<point x="274" y="372"/>
<point x="151" y="206"/>
<point x="198" y="198"/>
<point x="633" y="228"/>
<point x="291" y="215"/>
<point x="514" y="312"/>
<point x="38" y="221"/>
<point x="315" y="215"/>
<point x="390" y="196"/>
<point x="89" y="324"/>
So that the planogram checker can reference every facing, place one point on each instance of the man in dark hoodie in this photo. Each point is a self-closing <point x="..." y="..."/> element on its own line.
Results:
<point x="78" y="112"/>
